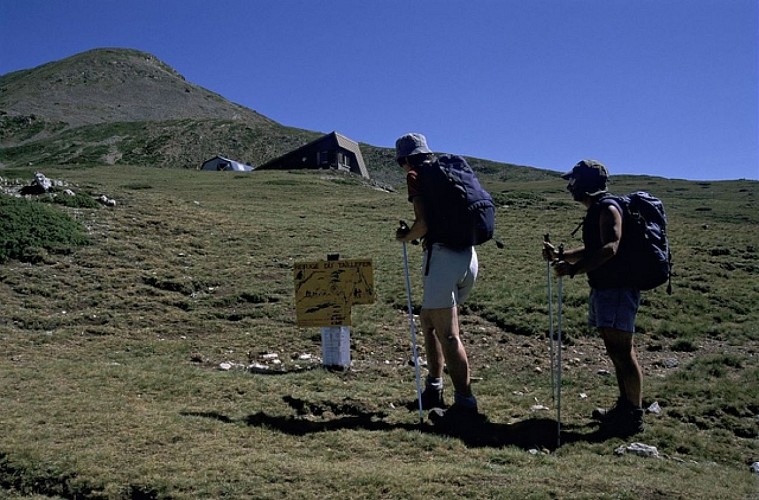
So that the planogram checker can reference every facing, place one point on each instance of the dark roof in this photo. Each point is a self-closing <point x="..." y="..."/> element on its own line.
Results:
<point x="339" y="140"/>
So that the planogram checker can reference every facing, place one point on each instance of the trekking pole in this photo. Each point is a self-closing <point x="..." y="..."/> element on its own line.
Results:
<point x="558" y="356"/>
<point x="412" y="328"/>
<point x="551" y="356"/>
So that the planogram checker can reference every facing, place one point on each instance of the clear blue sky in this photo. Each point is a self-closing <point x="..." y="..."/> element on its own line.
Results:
<point x="660" y="87"/>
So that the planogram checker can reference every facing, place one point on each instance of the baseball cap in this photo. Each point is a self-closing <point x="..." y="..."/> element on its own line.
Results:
<point x="411" y="144"/>
<point x="591" y="175"/>
<point x="587" y="169"/>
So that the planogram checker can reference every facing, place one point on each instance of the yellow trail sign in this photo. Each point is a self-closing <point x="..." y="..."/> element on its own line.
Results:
<point x="325" y="290"/>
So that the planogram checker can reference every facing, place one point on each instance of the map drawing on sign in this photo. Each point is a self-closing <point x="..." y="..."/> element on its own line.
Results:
<point x="326" y="290"/>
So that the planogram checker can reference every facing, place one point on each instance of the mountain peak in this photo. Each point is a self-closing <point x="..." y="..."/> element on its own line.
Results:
<point x="112" y="85"/>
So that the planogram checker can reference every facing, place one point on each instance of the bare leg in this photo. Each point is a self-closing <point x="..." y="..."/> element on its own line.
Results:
<point x="617" y="371"/>
<point x="432" y="348"/>
<point x="445" y="326"/>
<point x="619" y="346"/>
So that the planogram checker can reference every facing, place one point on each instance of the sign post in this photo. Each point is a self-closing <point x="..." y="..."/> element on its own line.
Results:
<point x="325" y="291"/>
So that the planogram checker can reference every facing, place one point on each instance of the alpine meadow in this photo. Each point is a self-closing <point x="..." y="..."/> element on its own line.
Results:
<point x="151" y="348"/>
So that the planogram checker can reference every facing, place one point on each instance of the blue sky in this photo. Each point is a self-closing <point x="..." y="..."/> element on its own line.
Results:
<point x="667" y="88"/>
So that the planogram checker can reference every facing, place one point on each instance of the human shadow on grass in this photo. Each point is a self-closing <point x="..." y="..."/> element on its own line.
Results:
<point x="528" y="434"/>
<point x="347" y="415"/>
<point x="532" y="433"/>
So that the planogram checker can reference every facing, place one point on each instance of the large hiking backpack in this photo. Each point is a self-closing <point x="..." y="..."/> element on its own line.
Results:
<point x="459" y="212"/>
<point x="644" y="247"/>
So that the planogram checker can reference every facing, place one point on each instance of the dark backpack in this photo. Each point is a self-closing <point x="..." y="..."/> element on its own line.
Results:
<point x="459" y="212"/>
<point x="644" y="247"/>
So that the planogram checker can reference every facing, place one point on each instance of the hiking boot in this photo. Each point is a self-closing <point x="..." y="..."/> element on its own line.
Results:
<point x="457" y="417"/>
<point x="432" y="398"/>
<point x="608" y="414"/>
<point x="624" y="423"/>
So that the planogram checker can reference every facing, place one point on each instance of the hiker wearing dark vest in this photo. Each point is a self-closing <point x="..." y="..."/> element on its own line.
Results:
<point x="449" y="275"/>
<point x="613" y="304"/>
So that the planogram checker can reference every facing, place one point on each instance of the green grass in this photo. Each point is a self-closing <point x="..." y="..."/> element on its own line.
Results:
<point x="109" y="374"/>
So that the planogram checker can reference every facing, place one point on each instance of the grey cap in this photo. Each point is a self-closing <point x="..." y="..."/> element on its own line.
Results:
<point x="411" y="144"/>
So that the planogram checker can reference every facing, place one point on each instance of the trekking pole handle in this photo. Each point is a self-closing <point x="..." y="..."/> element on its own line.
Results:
<point x="403" y="225"/>
<point x="547" y="239"/>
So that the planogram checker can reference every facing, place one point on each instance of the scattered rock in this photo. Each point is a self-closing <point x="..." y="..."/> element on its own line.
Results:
<point x="41" y="182"/>
<point x="258" y="368"/>
<point x="671" y="363"/>
<point x="654" y="408"/>
<point x="422" y="361"/>
<point x="640" y="449"/>
<point x="39" y="185"/>
<point x="754" y="467"/>
<point x="226" y="366"/>
<point x="108" y="202"/>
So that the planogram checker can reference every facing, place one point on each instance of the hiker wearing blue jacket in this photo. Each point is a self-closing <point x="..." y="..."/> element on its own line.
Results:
<point x="449" y="276"/>
<point x="613" y="304"/>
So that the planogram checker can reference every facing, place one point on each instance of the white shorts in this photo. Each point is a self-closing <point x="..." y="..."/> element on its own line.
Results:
<point x="451" y="276"/>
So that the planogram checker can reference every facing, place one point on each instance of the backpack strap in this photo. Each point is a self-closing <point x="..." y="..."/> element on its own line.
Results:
<point x="429" y="257"/>
<point x="610" y="199"/>
<point x="607" y="199"/>
<point x="579" y="226"/>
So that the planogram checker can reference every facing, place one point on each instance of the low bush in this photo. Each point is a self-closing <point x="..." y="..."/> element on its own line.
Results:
<point x="28" y="229"/>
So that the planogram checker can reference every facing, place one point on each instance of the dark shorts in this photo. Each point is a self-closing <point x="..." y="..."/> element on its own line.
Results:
<point x="613" y="308"/>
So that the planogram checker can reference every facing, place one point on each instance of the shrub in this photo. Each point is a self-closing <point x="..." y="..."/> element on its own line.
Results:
<point x="29" y="228"/>
<point x="79" y="200"/>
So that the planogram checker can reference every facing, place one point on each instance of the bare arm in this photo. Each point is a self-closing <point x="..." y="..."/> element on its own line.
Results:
<point x="584" y="261"/>
<point x="419" y="228"/>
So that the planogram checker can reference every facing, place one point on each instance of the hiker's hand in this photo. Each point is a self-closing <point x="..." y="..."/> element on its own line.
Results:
<point x="401" y="233"/>
<point x="564" y="268"/>
<point x="549" y="252"/>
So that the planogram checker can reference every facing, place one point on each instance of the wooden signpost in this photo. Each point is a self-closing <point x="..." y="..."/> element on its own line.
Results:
<point x="325" y="291"/>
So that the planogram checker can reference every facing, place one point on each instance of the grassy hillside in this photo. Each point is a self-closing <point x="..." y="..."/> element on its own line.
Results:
<point x="125" y="107"/>
<point x="110" y="376"/>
